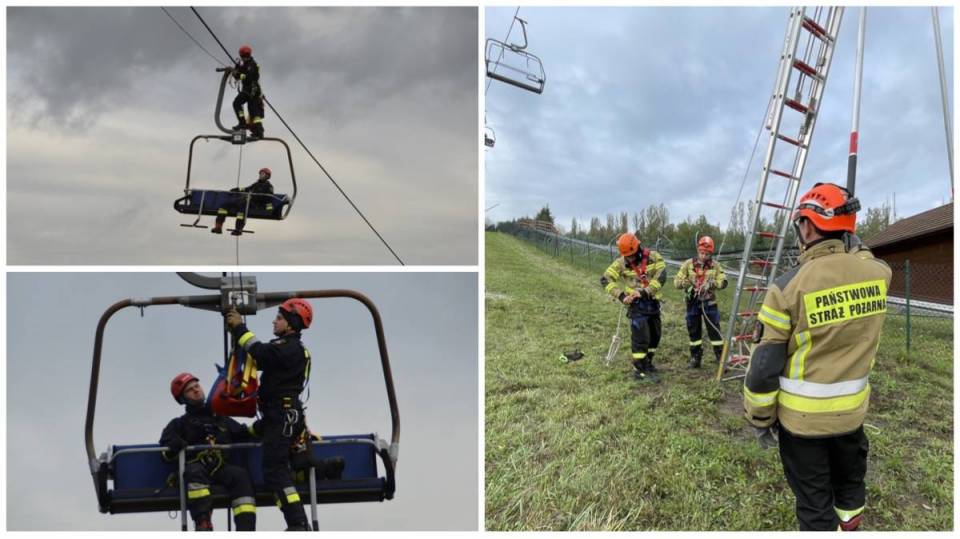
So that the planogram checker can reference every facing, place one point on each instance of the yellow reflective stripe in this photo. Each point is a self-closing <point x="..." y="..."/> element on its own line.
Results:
<point x="245" y="338"/>
<point x="717" y="343"/>
<point x="609" y="287"/>
<point x="696" y="343"/>
<point x="760" y="399"/>
<point x="293" y="498"/>
<point x="244" y="508"/>
<point x="257" y="120"/>
<point x="774" y="318"/>
<point x="651" y="350"/>
<point x="843" y="303"/>
<point x="798" y="360"/>
<point x="847" y="514"/>
<point x="639" y="355"/>
<point x="221" y="211"/>
<point x="199" y="493"/>
<point x="248" y="370"/>
<point x="813" y="405"/>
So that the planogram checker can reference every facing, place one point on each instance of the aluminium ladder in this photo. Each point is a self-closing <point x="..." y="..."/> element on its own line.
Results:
<point x="801" y="77"/>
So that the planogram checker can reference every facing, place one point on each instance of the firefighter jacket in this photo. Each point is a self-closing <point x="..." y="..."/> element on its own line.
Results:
<point x="818" y="332"/>
<point x="645" y="275"/>
<point x="693" y="275"/>
<point x="259" y="187"/>
<point x="199" y="426"/>
<point x="248" y="73"/>
<point x="285" y="363"/>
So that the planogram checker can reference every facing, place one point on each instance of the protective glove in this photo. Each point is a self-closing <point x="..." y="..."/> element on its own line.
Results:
<point x="685" y="283"/>
<point x="630" y="298"/>
<point x="766" y="436"/>
<point x="233" y="318"/>
<point x="176" y="445"/>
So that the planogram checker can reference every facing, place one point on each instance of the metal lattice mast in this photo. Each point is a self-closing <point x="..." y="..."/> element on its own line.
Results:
<point x="801" y="78"/>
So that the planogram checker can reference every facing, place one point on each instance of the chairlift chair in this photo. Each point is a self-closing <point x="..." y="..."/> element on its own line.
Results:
<point x="131" y="478"/>
<point x="200" y="202"/>
<point x="512" y="64"/>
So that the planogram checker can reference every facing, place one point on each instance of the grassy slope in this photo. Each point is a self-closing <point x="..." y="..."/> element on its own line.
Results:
<point x="582" y="446"/>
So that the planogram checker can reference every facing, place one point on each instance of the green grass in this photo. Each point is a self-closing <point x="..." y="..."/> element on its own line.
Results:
<point x="582" y="446"/>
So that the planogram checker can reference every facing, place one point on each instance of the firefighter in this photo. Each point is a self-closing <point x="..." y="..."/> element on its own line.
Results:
<point x="817" y="337"/>
<point x="286" y="368"/>
<point x="699" y="278"/>
<point x="247" y="72"/>
<point x="238" y="205"/>
<point x="198" y="426"/>
<point x="635" y="279"/>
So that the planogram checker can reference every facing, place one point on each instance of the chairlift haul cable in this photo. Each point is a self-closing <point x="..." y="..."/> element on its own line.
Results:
<point x="315" y="160"/>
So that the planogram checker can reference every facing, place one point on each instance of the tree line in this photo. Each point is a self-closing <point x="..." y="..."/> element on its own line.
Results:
<point x="654" y="227"/>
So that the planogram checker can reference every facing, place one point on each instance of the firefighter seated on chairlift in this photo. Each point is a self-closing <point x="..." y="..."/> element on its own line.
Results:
<point x="247" y="72"/>
<point x="700" y="277"/>
<point x="198" y="426"/>
<point x="238" y="206"/>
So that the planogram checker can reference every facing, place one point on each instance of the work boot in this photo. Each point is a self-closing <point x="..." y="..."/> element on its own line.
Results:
<point x="718" y="353"/>
<point x="696" y="357"/>
<point x="256" y="132"/>
<point x="246" y="522"/>
<point x="295" y="517"/>
<point x="296" y="528"/>
<point x="648" y="367"/>
<point x="203" y="524"/>
<point x="218" y="225"/>
<point x="238" y="227"/>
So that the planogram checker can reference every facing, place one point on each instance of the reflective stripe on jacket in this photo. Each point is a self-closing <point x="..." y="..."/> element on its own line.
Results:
<point x="821" y="324"/>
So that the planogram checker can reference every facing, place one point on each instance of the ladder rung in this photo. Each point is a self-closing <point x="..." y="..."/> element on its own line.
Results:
<point x="771" y="235"/>
<point x="795" y="142"/>
<point x="754" y="288"/>
<point x="775" y="205"/>
<point x="781" y="173"/>
<point x="760" y="262"/>
<point x="747" y="314"/>
<point x="806" y="68"/>
<point x="743" y="337"/>
<point x="738" y="359"/>
<point x="796" y="105"/>
<point x="815" y="29"/>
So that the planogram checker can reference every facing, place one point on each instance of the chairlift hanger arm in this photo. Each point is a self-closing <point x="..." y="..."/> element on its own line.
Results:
<point x="268" y="298"/>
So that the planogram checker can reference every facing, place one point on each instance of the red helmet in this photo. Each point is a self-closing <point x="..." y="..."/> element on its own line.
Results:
<point x="179" y="383"/>
<point x="245" y="51"/>
<point x="266" y="171"/>
<point x="829" y="207"/>
<point x="301" y="308"/>
<point x="705" y="243"/>
<point x="628" y="244"/>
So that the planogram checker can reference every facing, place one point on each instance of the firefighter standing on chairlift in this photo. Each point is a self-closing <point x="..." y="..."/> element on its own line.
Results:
<point x="247" y="72"/>
<point x="198" y="426"/>
<point x="285" y="363"/>
<point x="700" y="277"/>
<point x="635" y="279"/>
<point x="817" y="333"/>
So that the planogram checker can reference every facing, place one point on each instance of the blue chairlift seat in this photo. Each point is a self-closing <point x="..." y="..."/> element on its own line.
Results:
<point x="140" y="476"/>
<point x="208" y="201"/>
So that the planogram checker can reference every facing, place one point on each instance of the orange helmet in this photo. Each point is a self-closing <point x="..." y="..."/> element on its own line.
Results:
<point x="705" y="243"/>
<point x="628" y="244"/>
<point x="179" y="383"/>
<point x="299" y="307"/>
<point x="245" y="51"/>
<point x="829" y="207"/>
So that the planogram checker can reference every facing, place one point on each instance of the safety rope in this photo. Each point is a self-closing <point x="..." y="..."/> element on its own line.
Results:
<point x="302" y="144"/>
<point x="215" y="59"/>
<point x="237" y="237"/>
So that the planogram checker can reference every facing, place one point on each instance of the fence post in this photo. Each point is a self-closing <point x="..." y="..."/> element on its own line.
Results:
<point x="907" y="286"/>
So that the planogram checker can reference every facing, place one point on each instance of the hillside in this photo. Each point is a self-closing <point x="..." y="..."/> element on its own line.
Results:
<point x="583" y="446"/>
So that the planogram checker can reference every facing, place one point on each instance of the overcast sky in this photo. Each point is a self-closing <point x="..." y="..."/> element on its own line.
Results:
<point x="102" y="104"/>
<point x="430" y="322"/>
<point x="662" y="105"/>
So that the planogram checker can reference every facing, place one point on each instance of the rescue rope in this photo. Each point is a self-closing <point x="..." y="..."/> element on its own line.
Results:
<point x="192" y="38"/>
<point x="237" y="237"/>
<point x="315" y="160"/>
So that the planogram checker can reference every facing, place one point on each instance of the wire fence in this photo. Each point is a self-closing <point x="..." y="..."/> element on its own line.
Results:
<point x="920" y="292"/>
